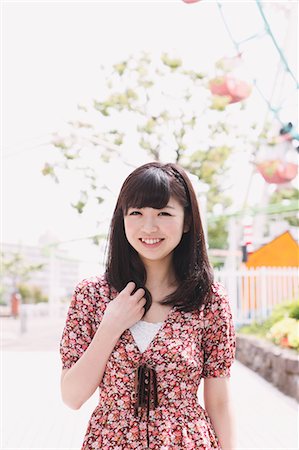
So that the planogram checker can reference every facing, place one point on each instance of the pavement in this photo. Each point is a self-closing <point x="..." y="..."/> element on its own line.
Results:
<point x="35" y="418"/>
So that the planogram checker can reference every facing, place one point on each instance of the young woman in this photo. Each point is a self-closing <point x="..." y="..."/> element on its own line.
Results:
<point x="152" y="326"/>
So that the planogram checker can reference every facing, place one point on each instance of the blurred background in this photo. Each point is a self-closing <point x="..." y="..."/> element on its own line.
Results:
<point x="90" y="92"/>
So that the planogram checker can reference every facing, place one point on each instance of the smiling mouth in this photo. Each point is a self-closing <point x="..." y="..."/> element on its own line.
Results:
<point x="151" y="242"/>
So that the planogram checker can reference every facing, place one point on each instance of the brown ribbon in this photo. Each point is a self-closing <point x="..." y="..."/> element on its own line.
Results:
<point x="145" y="391"/>
<point x="145" y="388"/>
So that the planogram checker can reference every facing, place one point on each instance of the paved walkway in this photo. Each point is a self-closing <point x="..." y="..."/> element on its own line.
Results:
<point x="34" y="417"/>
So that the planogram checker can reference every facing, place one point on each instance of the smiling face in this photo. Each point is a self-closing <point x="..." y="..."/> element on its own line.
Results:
<point x="155" y="233"/>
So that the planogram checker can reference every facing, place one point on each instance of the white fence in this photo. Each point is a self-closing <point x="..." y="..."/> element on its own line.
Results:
<point x="254" y="292"/>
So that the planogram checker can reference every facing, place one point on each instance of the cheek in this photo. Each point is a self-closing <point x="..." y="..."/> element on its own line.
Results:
<point x="129" y="228"/>
<point x="175" y="227"/>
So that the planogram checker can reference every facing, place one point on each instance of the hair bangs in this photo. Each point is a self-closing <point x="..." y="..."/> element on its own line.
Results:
<point x="149" y="190"/>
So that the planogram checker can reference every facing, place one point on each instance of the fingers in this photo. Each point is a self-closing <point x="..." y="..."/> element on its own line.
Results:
<point x="130" y="288"/>
<point x="139" y="294"/>
<point x="142" y="301"/>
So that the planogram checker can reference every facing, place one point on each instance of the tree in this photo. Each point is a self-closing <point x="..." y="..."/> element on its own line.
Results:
<point x="32" y="294"/>
<point x="164" y="111"/>
<point x="286" y="196"/>
<point x="16" y="269"/>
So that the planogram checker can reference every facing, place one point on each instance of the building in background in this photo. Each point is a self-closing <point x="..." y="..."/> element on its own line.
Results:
<point x="282" y="251"/>
<point x="56" y="279"/>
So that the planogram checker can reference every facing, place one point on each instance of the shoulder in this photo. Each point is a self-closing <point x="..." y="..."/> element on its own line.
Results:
<point x="94" y="283"/>
<point x="94" y="290"/>
<point x="218" y="291"/>
<point x="218" y="300"/>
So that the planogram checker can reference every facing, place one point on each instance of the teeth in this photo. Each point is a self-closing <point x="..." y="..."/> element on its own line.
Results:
<point x="151" y="241"/>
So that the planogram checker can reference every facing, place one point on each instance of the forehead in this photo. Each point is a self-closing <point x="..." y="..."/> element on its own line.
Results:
<point x="171" y="205"/>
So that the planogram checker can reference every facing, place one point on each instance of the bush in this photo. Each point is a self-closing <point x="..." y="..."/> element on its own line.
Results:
<point x="294" y="311"/>
<point x="281" y="311"/>
<point x="281" y="327"/>
<point x="285" y="333"/>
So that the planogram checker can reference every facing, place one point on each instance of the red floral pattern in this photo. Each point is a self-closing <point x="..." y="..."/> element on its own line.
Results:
<point x="188" y="346"/>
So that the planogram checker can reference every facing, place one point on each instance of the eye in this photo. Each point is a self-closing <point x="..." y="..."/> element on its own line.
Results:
<point x="134" y="213"/>
<point x="164" y="213"/>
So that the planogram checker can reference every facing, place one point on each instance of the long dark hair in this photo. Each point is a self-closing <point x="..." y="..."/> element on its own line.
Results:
<point x="151" y="185"/>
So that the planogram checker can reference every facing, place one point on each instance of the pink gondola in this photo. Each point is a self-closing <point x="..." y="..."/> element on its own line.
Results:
<point x="229" y="86"/>
<point x="191" y="1"/>
<point x="277" y="171"/>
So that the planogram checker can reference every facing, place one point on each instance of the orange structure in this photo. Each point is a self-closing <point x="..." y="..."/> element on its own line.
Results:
<point x="283" y="251"/>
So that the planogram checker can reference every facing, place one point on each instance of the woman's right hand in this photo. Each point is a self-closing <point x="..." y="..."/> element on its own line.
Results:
<point x="126" y="309"/>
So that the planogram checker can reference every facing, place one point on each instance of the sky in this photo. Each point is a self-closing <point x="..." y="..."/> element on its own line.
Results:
<point x="52" y="53"/>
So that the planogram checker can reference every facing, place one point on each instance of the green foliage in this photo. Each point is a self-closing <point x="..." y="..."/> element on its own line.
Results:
<point x="285" y="196"/>
<point x="80" y="205"/>
<point x="25" y="293"/>
<point x="280" y="327"/>
<point x="285" y="309"/>
<point x="216" y="262"/>
<point x="220" y="102"/>
<point x="194" y="75"/>
<point x="117" y="100"/>
<point x="285" y="333"/>
<point x="32" y="294"/>
<point x="120" y="67"/>
<point x="48" y="169"/>
<point x="16" y="268"/>
<point x="294" y="310"/>
<point x="290" y="193"/>
<point x="216" y="196"/>
<point x="217" y="232"/>
<point x="258" y="329"/>
<point x="208" y="163"/>
<point x="2" y="295"/>
<point x="173" y="63"/>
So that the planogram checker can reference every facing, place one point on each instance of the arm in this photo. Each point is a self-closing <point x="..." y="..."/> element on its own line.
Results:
<point x="218" y="404"/>
<point x="219" y="345"/>
<point x="85" y="352"/>
<point x="80" y="381"/>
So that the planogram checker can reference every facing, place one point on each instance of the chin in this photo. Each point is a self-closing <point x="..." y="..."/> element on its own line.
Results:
<point x="154" y="257"/>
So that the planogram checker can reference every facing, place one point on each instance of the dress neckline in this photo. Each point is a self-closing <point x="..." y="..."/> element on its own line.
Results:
<point x="153" y="341"/>
<point x="150" y="323"/>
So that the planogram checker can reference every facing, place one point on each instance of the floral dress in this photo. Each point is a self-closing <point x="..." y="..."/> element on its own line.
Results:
<point x="149" y="400"/>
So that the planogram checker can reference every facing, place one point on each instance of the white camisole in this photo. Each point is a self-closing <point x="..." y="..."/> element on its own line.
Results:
<point x="144" y="332"/>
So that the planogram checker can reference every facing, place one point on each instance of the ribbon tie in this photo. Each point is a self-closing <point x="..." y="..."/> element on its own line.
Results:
<point x="145" y="388"/>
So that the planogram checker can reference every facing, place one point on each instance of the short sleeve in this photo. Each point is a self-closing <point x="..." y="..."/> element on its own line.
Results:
<point x="81" y="322"/>
<point x="219" y="338"/>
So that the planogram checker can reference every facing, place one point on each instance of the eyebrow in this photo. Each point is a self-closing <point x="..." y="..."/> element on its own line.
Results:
<point x="165" y="207"/>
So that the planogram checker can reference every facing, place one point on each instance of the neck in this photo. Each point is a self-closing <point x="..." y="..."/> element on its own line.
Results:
<point x="159" y="274"/>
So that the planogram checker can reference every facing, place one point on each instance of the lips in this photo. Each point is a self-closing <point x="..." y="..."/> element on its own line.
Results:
<point x="151" y="242"/>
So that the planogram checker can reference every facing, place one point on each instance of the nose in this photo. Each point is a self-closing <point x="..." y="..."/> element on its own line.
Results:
<point x="149" y="225"/>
